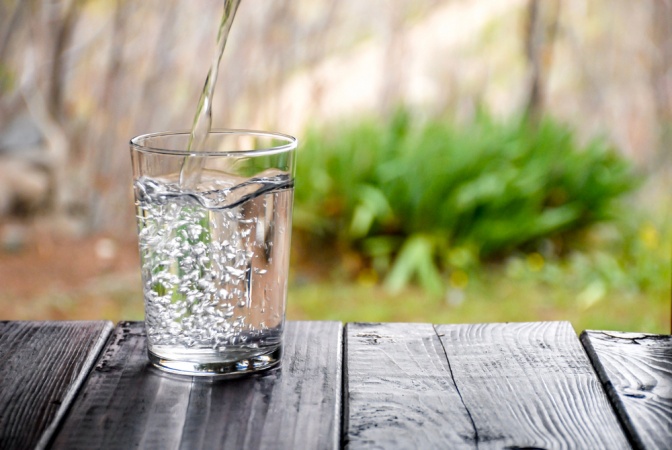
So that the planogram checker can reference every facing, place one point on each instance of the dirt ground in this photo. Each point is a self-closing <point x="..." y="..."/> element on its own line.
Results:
<point x="50" y="278"/>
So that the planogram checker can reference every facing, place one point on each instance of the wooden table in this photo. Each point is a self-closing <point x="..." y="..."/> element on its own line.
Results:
<point x="536" y="385"/>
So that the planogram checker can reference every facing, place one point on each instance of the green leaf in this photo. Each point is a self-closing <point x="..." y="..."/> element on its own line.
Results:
<point x="416" y="258"/>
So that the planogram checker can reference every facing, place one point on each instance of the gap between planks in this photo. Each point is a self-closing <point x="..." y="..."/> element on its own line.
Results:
<point x="636" y="371"/>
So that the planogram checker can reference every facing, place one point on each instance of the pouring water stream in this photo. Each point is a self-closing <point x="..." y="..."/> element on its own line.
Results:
<point x="190" y="172"/>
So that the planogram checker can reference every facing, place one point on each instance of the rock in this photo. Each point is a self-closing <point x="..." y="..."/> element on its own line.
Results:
<point x="24" y="188"/>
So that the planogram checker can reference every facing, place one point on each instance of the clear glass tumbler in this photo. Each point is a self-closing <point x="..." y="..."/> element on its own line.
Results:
<point x="214" y="233"/>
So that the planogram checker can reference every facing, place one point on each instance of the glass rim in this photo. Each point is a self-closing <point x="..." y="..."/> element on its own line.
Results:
<point x="291" y="143"/>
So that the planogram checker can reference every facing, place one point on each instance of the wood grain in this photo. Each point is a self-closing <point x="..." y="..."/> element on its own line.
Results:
<point x="530" y="385"/>
<point x="42" y="366"/>
<point x="636" y="370"/>
<point x="128" y="404"/>
<point x="401" y="393"/>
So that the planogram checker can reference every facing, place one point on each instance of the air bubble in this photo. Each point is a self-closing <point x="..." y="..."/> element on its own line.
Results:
<point x="196" y="273"/>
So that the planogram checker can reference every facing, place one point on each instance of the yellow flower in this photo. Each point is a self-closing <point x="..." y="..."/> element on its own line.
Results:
<point x="649" y="235"/>
<point x="459" y="279"/>
<point x="535" y="262"/>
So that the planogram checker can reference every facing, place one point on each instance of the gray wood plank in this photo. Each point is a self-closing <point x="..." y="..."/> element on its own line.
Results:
<point x="400" y="392"/>
<point x="530" y="385"/>
<point x="126" y="403"/>
<point x="42" y="366"/>
<point x="636" y="370"/>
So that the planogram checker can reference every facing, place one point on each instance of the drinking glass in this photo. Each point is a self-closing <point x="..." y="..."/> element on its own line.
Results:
<point x="214" y="230"/>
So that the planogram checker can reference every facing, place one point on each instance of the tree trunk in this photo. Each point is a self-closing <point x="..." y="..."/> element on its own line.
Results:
<point x="540" y="32"/>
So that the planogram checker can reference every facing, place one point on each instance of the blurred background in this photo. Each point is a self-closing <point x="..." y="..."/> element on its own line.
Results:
<point x="460" y="160"/>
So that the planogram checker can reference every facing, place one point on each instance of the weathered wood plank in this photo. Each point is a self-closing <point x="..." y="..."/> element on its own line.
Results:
<point x="636" y="370"/>
<point x="125" y="403"/>
<point x="42" y="366"/>
<point x="400" y="392"/>
<point x="530" y="385"/>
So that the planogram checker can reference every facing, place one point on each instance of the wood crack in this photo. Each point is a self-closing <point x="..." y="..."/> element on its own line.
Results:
<point x="457" y="388"/>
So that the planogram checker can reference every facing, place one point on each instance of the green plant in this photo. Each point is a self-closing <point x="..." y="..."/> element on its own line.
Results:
<point x="421" y="199"/>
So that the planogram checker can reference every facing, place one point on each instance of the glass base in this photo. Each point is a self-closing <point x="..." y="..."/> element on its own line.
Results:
<point x="211" y="369"/>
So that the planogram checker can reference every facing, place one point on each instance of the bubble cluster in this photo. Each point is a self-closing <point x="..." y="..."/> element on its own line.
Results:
<point x="214" y="262"/>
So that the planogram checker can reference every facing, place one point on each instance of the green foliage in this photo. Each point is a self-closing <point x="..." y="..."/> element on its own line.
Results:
<point x="628" y="257"/>
<point x="421" y="199"/>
